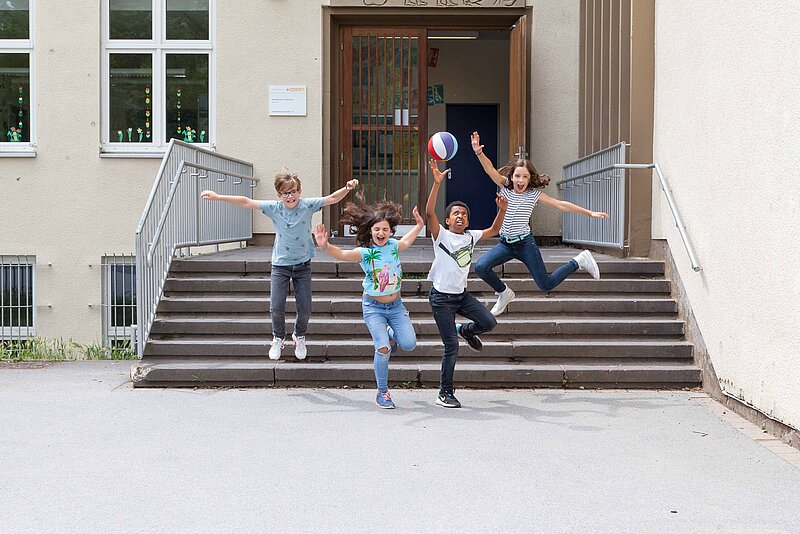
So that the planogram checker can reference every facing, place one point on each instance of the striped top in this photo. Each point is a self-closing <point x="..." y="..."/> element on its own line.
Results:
<point x="520" y="207"/>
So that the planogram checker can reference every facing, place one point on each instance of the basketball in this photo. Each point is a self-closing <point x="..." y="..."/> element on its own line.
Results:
<point x="442" y="146"/>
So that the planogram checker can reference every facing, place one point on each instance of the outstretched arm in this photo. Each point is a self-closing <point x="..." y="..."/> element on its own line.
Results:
<point x="321" y="236"/>
<point x="494" y="229"/>
<point x="339" y="194"/>
<point x="237" y="200"/>
<point x="409" y="238"/>
<point x="430" y="207"/>
<point x="563" y="205"/>
<point x="486" y="163"/>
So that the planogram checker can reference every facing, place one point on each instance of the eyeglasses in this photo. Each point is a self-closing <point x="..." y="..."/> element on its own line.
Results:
<point x="292" y="193"/>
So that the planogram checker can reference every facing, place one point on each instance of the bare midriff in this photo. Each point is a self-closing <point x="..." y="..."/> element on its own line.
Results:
<point x="384" y="299"/>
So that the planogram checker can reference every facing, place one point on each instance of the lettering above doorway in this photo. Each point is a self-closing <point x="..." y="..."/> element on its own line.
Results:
<point x="427" y="3"/>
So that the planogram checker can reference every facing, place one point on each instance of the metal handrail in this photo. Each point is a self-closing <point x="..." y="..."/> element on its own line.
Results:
<point x="174" y="218"/>
<point x="667" y="192"/>
<point x="176" y="180"/>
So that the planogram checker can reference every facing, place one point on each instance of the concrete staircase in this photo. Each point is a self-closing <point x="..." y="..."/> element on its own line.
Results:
<point x="213" y="329"/>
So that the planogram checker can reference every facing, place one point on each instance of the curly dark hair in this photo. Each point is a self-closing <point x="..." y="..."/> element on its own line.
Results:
<point x="537" y="180"/>
<point x="362" y="217"/>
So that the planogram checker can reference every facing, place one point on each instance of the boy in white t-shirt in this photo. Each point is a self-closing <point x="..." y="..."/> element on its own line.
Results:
<point x="452" y="250"/>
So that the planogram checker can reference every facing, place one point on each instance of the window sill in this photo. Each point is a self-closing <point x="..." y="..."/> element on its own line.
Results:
<point x="135" y="155"/>
<point x="149" y="153"/>
<point x="17" y="152"/>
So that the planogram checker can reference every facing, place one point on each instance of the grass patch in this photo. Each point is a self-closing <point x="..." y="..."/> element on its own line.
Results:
<point x="43" y="349"/>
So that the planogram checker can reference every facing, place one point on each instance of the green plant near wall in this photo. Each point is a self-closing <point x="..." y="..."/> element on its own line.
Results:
<point x="43" y="349"/>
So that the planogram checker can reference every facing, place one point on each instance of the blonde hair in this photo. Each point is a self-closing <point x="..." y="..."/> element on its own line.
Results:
<point x="284" y="178"/>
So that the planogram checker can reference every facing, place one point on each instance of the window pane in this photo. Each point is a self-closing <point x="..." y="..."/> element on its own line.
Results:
<point x="130" y="19"/>
<point x="187" y="19"/>
<point x="15" y="88"/>
<point x="123" y="295"/>
<point x="187" y="97"/>
<point x="14" y="19"/>
<point x="130" y="98"/>
<point x="16" y="295"/>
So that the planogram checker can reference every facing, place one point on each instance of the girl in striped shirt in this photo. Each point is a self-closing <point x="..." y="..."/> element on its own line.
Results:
<point x="521" y="185"/>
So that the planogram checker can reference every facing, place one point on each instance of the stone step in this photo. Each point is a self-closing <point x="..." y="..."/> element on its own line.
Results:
<point x="320" y="266"/>
<point x="546" y="347"/>
<point x="416" y="286"/>
<point x="542" y="303"/>
<point x="599" y="373"/>
<point x="353" y="324"/>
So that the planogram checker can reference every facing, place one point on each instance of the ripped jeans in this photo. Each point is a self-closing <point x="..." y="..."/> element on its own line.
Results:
<point x="378" y="316"/>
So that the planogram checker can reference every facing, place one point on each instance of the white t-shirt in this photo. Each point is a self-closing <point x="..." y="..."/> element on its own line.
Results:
<point x="451" y="266"/>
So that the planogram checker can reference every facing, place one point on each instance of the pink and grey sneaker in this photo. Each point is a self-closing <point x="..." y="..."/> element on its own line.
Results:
<point x="384" y="400"/>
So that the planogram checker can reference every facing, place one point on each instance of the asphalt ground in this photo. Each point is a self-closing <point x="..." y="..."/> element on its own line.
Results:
<point x="82" y="451"/>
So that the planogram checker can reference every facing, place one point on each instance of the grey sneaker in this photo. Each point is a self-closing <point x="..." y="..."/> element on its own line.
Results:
<point x="300" y="350"/>
<point x="586" y="262"/>
<point x="503" y="299"/>
<point x="275" y="349"/>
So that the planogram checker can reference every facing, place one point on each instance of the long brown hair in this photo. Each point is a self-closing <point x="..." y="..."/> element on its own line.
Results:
<point x="537" y="180"/>
<point x="362" y="217"/>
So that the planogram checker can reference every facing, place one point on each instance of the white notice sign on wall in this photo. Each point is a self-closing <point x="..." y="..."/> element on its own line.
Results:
<point x="287" y="100"/>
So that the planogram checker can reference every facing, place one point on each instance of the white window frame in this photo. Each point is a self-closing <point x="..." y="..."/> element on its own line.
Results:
<point x="17" y="46"/>
<point x="158" y="47"/>
<point x="19" y="333"/>
<point x="115" y="333"/>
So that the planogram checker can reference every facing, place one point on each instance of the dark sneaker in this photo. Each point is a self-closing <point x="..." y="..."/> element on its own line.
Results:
<point x="446" y="399"/>
<point x="474" y="342"/>
<point x="384" y="400"/>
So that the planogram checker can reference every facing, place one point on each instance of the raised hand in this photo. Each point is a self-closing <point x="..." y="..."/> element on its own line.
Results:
<point x="475" y="140"/>
<point x="351" y="184"/>
<point x="417" y="217"/>
<point x="501" y="201"/>
<point x="321" y="236"/>
<point x="438" y="175"/>
<point x="599" y="215"/>
<point x="209" y="195"/>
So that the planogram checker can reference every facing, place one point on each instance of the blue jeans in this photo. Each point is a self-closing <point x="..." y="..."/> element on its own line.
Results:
<point x="378" y="316"/>
<point x="528" y="253"/>
<point x="445" y="306"/>
<point x="300" y="275"/>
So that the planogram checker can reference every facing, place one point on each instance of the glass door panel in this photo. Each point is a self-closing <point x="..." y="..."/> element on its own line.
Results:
<point x="382" y="90"/>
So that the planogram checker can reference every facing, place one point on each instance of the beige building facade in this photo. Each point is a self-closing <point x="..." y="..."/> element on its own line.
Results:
<point x="723" y="130"/>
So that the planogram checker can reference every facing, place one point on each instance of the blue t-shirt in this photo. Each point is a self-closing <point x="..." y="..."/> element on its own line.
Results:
<point x="293" y="243"/>
<point x="381" y="265"/>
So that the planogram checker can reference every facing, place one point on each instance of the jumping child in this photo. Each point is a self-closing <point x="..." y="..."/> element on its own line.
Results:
<point x="378" y="254"/>
<point x="448" y="296"/>
<point x="521" y="184"/>
<point x="291" y="254"/>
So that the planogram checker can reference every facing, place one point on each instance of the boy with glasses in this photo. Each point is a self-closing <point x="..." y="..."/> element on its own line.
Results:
<point x="291" y="253"/>
<point x="448" y="296"/>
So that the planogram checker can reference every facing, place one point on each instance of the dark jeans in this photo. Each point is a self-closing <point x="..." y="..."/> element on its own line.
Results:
<point x="528" y="253"/>
<point x="445" y="306"/>
<point x="300" y="275"/>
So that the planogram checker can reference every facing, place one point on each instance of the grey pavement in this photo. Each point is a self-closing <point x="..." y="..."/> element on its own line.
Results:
<point x="81" y="451"/>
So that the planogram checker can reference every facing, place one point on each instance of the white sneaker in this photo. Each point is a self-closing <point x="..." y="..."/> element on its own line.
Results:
<point x="503" y="298"/>
<point x="587" y="263"/>
<point x="275" y="349"/>
<point x="300" y="350"/>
